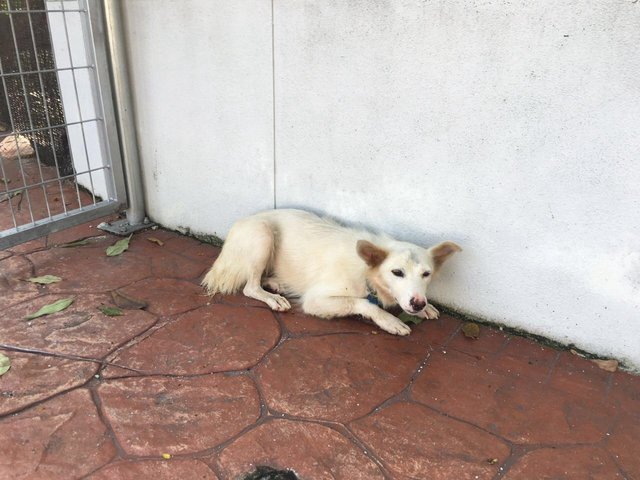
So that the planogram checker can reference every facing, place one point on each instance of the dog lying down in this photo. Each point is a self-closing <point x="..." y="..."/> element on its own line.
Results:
<point x="333" y="270"/>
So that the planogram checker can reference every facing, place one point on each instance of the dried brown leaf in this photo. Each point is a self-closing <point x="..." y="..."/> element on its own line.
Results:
<point x="608" y="365"/>
<point x="127" y="302"/>
<point x="471" y="330"/>
<point x="155" y="240"/>
<point x="76" y="243"/>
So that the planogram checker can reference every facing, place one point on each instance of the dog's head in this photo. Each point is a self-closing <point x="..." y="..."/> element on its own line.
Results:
<point x="402" y="272"/>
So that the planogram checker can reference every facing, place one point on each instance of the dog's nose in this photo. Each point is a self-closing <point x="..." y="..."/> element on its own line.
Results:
<point x="417" y="304"/>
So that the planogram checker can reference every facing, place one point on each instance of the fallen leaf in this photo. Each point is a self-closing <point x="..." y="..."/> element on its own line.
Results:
<point x="492" y="461"/>
<point x="127" y="302"/>
<point x="119" y="247"/>
<point x="5" y="364"/>
<point x="75" y="243"/>
<point x="44" y="280"/>
<point x="608" y="365"/>
<point x="110" y="311"/>
<point x="406" y="318"/>
<point x="471" y="330"/>
<point x="54" y="307"/>
<point x="8" y="196"/>
<point x="155" y="240"/>
<point x="166" y="456"/>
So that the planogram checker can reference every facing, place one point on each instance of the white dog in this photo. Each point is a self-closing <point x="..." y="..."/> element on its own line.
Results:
<point x="335" y="271"/>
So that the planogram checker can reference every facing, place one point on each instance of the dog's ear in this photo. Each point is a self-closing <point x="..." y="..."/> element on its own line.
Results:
<point x="441" y="252"/>
<point x="370" y="253"/>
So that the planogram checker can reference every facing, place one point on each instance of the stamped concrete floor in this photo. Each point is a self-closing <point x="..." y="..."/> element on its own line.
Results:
<point x="197" y="388"/>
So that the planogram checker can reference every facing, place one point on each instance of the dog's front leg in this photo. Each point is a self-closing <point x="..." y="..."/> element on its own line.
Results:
<point x="329" y="307"/>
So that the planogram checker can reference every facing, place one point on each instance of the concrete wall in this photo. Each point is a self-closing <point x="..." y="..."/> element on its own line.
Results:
<point x="202" y="75"/>
<point x="510" y="127"/>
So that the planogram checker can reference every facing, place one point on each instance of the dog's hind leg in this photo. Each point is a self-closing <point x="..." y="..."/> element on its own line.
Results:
<point x="272" y="285"/>
<point x="258" y="259"/>
<point x="328" y="307"/>
<point x="253" y="289"/>
<point x="246" y="256"/>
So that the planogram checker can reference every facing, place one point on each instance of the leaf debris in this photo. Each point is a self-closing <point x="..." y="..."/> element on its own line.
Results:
<point x="127" y="302"/>
<point x="5" y="364"/>
<point x="406" y="318"/>
<point x="110" y="311"/>
<point x="471" y="330"/>
<point x="119" y="247"/>
<point x="75" y="243"/>
<point x="44" y="279"/>
<point x="608" y="365"/>
<point x="8" y="196"/>
<point x="156" y="241"/>
<point x="54" y="307"/>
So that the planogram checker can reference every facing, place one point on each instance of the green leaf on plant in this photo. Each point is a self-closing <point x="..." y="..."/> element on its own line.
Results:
<point x="44" y="280"/>
<point x="119" y="247"/>
<point x="51" y="308"/>
<point x="75" y="243"/>
<point x="406" y="318"/>
<point x="5" y="364"/>
<point x="110" y="311"/>
<point x="471" y="330"/>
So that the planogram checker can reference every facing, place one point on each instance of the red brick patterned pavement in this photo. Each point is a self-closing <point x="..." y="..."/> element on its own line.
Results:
<point x="222" y="385"/>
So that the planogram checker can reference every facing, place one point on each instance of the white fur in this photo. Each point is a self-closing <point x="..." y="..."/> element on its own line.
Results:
<point x="329" y="267"/>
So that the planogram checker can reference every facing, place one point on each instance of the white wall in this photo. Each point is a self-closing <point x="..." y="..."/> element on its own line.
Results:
<point x="510" y="127"/>
<point x="202" y="79"/>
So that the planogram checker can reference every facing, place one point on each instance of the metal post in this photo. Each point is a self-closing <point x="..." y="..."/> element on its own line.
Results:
<point x="126" y="123"/>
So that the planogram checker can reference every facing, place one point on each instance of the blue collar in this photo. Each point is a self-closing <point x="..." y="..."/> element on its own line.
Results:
<point x="372" y="297"/>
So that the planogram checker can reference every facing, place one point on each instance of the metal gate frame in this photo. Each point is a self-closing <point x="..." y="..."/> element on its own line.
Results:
<point x="97" y="46"/>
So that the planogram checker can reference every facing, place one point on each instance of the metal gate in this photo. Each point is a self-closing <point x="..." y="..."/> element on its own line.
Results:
<point x="60" y="161"/>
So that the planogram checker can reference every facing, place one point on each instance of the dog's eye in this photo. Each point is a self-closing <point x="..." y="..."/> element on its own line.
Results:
<point x="426" y="274"/>
<point x="398" y="273"/>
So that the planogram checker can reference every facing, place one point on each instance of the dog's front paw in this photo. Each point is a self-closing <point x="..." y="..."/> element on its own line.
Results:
<point x="431" y="312"/>
<point x="392" y="325"/>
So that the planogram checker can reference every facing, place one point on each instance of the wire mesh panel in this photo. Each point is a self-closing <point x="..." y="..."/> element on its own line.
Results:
<point x="59" y="159"/>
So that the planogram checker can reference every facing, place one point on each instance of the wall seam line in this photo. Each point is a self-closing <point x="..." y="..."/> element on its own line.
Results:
<point x="273" y="99"/>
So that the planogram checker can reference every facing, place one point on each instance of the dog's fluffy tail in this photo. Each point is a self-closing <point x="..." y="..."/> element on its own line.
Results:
<point x="223" y="277"/>
<point x="245" y="256"/>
